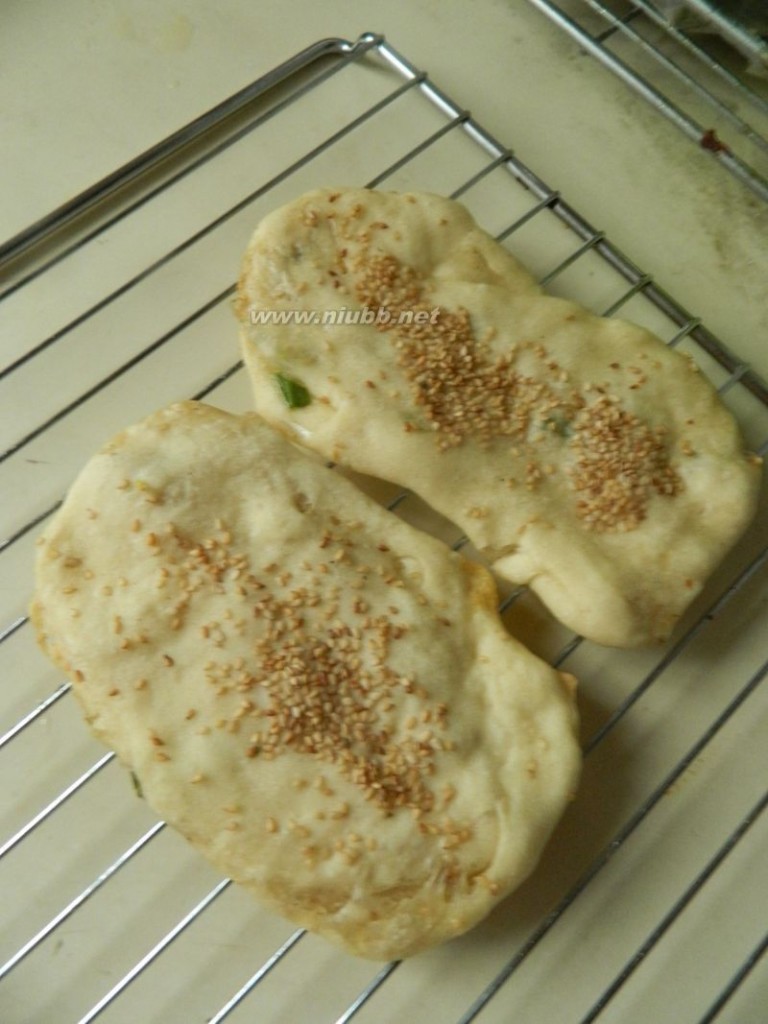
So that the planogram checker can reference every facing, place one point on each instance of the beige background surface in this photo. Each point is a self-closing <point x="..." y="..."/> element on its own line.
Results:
<point x="85" y="86"/>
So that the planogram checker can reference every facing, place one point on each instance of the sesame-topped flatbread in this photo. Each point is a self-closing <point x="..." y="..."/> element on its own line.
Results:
<point x="322" y="699"/>
<point x="579" y="454"/>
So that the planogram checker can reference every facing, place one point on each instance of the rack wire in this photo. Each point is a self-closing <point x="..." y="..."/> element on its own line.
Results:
<point x="697" y="81"/>
<point x="107" y="914"/>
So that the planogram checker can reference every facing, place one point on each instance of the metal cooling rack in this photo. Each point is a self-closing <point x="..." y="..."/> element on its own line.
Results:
<point x="118" y="303"/>
<point x="697" y="81"/>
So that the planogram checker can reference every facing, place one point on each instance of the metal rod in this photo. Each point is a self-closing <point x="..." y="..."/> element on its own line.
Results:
<point x="636" y="288"/>
<point x="115" y="374"/>
<point x="33" y="715"/>
<point x="686" y="124"/>
<point x="416" y="150"/>
<point x="480" y="175"/>
<point x="702" y="622"/>
<point x="677" y="909"/>
<point x="732" y="30"/>
<point x="501" y="158"/>
<point x="546" y="203"/>
<point x="55" y="804"/>
<point x="153" y="953"/>
<point x="683" y="40"/>
<point x="736" y="981"/>
<point x="743" y="127"/>
<point x="371" y="988"/>
<point x="174" y="177"/>
<point x="611" y="848"/>
<point x="588" y="246"/>
<point x="168" y="147"/>
<point x="79" y="900"/>
<point x="254" y="980"/>
<point x="24" y="530"/>
<point x="13" y="627"/>
<point x="612" y="255"/>
<point x="222" y="218"/>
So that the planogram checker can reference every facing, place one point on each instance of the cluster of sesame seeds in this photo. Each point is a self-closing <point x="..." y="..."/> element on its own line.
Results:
<point x="462" y="388"/>
<point x="620" y="462"/>
<point x="613" y="460"/>
<point x="461" y="391"/>
<point x="301" y="662"/>
<point x="332" y="697"/>
<point x="318" y="680"/>
<point x="382" y="282"/>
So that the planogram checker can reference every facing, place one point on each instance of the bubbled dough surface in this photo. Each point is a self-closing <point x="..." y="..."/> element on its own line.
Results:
<point x="295" y="829"/>
<point x="618" y="588"/>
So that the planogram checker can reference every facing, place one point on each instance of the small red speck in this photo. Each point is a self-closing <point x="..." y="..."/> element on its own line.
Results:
<point x="710" y="141"/>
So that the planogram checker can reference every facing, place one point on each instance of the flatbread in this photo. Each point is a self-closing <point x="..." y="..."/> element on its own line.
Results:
<point x="580" y="454"/>
<point x="321" y="698"/>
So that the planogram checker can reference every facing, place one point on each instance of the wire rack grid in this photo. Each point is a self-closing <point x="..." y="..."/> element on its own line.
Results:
<point x="119" y="303"/>
<point x="697" y="81"/>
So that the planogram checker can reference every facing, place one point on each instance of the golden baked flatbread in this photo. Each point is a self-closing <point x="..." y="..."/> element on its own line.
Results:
<point x="579" y="454"/>
<point x="322" y="699"/>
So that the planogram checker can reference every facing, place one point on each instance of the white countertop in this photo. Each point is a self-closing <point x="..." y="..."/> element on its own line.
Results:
<point x="86" y="86"/>
<point x="89" y="85"/>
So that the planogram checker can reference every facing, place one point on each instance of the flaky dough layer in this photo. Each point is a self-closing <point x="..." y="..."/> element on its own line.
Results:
<point x="320" y="698"/>
<point x="579" y="454"/>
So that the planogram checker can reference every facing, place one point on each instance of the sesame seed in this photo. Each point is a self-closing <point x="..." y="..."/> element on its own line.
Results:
<point x="318" y="686"/>
<point x="464" y="391"/>
<point x="620" y="463"/>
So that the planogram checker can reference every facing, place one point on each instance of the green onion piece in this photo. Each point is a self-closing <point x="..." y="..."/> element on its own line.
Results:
<point x="137" y="785"/>
<point x="558" y="424"/>
<point x="295" y="395"/>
